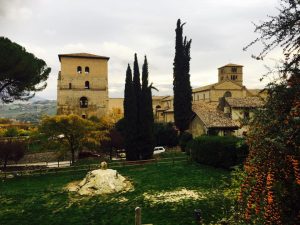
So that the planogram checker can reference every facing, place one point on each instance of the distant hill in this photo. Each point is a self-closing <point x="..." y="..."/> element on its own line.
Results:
<point x="30" y="111"/>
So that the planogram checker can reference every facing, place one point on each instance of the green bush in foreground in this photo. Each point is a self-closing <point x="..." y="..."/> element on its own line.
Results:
<point x="218" y="151"/>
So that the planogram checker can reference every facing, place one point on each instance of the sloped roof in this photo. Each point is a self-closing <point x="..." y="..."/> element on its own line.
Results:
<point x="82" y="55"/>
<point x="156" y="97"/>
<point x="168" y="98"/>
<point x="212" y="117"/>
<point x="215" y="85"/>
<point x="203" y="88"/>
<point x="245" y="102"/>
<point x="231" y="64"/>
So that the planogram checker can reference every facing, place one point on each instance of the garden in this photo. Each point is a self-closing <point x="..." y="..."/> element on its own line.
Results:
<point x="167" y="193"/>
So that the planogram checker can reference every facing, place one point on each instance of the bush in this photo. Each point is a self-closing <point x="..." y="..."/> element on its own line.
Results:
<point x="218" y="151"/>
<point x="11" y="132"/>
<point x="11" y="150"/>
<point x="165" y="134"/>
<point x="184" y="139"/>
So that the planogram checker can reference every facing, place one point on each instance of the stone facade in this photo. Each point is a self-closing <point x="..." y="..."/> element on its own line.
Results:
<point x="82" y="86"/>
<point x="230" y="84"/>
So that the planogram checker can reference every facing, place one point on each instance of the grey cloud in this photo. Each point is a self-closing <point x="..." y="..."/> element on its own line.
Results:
<point x="118" y="29"/>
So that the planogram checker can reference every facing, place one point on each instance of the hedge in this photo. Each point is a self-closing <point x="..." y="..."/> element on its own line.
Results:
<point x="218" y="151"/>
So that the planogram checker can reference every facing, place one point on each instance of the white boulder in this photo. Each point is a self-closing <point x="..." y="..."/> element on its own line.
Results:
<point x="101" y="181"/>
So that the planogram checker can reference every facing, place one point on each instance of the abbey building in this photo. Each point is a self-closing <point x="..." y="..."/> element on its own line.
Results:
<point x="82" y="86"/>
<point x="218" y="108"/>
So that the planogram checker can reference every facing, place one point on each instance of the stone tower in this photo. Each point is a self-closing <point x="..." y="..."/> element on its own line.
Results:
<point x="231" y="72"/>
<point x="82" y="85"/>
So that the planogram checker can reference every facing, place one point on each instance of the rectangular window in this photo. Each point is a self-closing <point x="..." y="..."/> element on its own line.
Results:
<point x="233" y="69"/>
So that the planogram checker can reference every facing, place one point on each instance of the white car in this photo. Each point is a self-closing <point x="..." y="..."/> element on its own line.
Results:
<point x="158" y="150"/>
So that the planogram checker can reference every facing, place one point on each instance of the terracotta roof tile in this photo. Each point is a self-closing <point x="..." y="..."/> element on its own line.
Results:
<point x="82" y="55"/>
<point x="212" y="117"/>
<point x="231" y="64"/>
<point x="246" y="102"/>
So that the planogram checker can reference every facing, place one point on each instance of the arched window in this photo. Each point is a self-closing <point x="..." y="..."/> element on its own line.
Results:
<point x="70" y="86"/>
<point x="87" y="85"/>
<point x="227" y="94"/>
<point x="83" y="102"/>
<point x="79" y="70"/>
<point x="87" y="70"/>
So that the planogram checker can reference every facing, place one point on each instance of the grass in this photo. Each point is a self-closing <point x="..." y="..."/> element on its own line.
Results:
<point x="42" y="200"/>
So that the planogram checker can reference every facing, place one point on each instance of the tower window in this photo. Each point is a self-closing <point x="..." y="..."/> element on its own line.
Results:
<point x="70" y="86"/>
<point x="87" y="85"/>
<point x="87" y="70"/>
<point x="233" y="77"/>
<point x="79" y="70"/>
<point x="233" y="69"/>
<point x="83" y="102"/>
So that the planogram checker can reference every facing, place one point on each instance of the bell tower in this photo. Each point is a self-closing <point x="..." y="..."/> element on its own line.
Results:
<point x="231" y="72"/>
<point x="82" y="85"/>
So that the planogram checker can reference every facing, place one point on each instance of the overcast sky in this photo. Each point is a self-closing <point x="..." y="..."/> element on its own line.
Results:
<point x="219" y="30"/>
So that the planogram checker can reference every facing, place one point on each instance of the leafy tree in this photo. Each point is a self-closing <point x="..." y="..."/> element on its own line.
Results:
<point x="181" y="80"/>
<point x="11" y="150"/>
<point x="130" y="117"/>
<point x="71" y="130"/>
<point x="20" y="72"/>
<point x="270" y="193"/>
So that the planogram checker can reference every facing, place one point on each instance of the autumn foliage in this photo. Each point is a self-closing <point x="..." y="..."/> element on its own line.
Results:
<point x="270" y="193"/>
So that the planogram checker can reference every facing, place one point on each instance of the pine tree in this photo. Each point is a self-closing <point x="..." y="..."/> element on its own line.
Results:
<point x="181" y="81"/>
<point x="130" y="112"/>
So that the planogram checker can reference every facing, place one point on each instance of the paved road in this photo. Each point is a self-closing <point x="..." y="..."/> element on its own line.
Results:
<point x="49" y="164"/>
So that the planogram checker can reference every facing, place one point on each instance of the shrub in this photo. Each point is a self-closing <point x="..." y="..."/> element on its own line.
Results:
<point x="165" y="134"/>
<point x="218" y="151"/>
<point x="11" y="132"/>
<point x="11" y="150"/>
<point x="184" y="139"/>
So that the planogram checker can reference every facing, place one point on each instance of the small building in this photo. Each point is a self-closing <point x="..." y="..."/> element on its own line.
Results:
<point x="209" y="120"/>
<point x="240" y="110"/>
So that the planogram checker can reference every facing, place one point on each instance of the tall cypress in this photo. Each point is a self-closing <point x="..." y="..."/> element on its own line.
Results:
<point x="146" y="113"/>
<point x="130" y="112"/>
<point x="137" y="92"/>
<point x="181" y="80"/>
<point x="138" y="113"/>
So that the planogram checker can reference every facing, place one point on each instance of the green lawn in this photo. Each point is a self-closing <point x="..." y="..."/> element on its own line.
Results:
<point x="42" y="200"/>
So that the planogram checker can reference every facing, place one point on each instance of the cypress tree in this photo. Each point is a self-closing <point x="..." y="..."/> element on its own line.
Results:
<point x="181" y="80"/>
<point x="138" y="113"/>
<point x="130" y="112"/>
<point x="146" y="113"/>
<point x="137" y="93"/>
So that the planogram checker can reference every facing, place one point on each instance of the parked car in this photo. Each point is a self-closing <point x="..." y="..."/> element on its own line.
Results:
<point x="121" y="153"/>
<point x="158" y="150"/>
